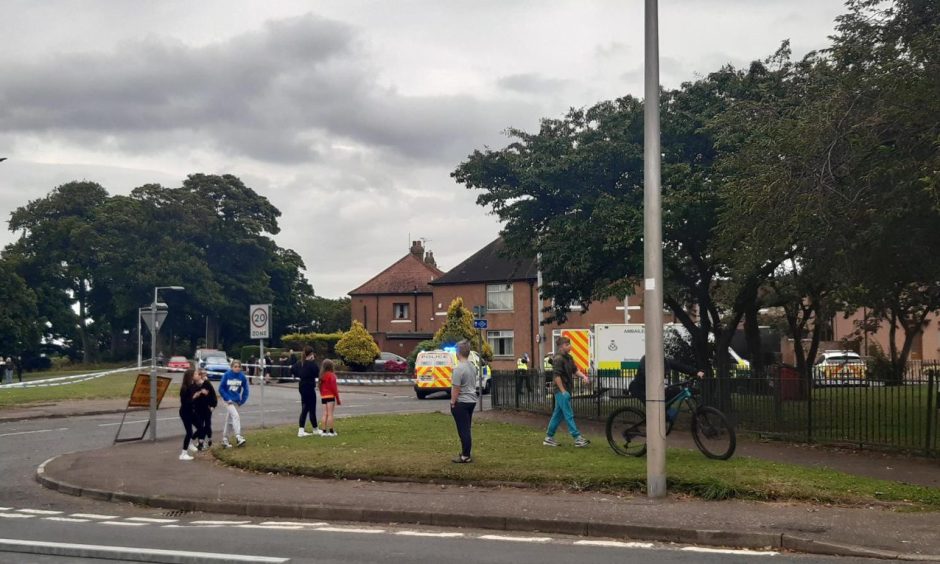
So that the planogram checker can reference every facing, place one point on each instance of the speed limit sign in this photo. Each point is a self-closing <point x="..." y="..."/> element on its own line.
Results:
<point x="259" y="319"/>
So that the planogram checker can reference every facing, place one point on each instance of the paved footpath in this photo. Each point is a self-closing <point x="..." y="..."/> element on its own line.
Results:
<point x="148" y="474"/>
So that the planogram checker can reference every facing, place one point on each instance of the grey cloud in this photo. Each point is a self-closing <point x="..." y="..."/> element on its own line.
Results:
<point x="269" y="95"/>
<point x="531" y="83"/>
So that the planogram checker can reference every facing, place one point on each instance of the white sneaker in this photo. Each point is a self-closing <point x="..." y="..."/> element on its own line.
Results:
<point x="240" y="440"/>
<point x="318" y="432"/>
<point x="192" y="447"/>
<point x="226" y="444"/>
<point x="302" y="433"/>
<point x="185" y="456"/>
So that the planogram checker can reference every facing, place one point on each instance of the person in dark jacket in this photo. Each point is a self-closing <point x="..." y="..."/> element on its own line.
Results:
<point x="637" y="387"/>
<point x="189" y="391"/>
<point x="203" y="406"/>
<point x="307" y="372"/>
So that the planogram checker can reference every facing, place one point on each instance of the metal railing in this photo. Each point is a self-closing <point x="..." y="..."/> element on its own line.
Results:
<point x="860" y="412"/>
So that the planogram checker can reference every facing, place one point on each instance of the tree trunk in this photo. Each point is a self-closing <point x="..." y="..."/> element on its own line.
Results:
<point x="754" y="346"/>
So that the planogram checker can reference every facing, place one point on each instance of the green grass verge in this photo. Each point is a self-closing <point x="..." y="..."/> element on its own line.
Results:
<point x="420" y="447"/>
<point x="112" y="386"/>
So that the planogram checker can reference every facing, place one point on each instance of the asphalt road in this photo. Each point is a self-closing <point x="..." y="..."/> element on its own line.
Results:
<point x="31" y="513"/>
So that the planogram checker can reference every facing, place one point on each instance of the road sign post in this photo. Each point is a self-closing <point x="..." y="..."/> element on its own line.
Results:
<point x="479" y="312"/>
<point x="259" y="320"/>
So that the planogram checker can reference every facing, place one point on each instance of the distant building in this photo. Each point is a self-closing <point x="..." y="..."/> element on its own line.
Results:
<point x="395" y="306"/>
<point x="506" y="286"/>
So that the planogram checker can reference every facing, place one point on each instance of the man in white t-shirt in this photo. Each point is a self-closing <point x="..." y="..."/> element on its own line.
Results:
<point x="463" y="399"/>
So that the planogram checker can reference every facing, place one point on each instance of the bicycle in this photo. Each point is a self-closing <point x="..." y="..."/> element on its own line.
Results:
<point x="711" y="431"/>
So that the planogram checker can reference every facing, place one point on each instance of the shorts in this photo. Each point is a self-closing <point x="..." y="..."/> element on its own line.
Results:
<point x="325" y="401"/>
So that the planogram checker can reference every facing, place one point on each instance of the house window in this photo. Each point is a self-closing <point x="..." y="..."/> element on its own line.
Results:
<point x="400" y="311"/>
<point x="500" y="342"/>
<point x="499" y="297"/>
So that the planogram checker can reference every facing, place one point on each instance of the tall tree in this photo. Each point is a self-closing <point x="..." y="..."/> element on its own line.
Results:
<point x="58" y="252"/>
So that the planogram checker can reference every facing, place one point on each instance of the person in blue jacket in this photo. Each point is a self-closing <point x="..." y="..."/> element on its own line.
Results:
<point x="234" y="391"/>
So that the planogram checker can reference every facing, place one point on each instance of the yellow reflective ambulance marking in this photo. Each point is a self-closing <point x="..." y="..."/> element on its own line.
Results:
<point x="580" y="345"/>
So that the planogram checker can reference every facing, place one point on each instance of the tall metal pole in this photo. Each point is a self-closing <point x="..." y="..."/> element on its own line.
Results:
<point x="540" y="362"/>
<point x="153" y="367"/>
<point x="653" y="264"/>
<point x="140" y="341"/>
<point x="262" y="363"/>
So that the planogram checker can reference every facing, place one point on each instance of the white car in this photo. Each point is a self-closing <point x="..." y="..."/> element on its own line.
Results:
<point x="839" y="368"/>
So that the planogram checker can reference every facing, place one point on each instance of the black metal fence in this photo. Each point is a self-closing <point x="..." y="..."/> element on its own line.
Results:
<point x="859" y="411"/>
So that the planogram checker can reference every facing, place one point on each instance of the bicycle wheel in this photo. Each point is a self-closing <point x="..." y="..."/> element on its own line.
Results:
<point x="712" y="433"/>
<point x="626" y="431"/>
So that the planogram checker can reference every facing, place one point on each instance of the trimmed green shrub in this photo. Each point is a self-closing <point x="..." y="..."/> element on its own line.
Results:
<point x="357" y="348"/>
<point x="324" y="344"/>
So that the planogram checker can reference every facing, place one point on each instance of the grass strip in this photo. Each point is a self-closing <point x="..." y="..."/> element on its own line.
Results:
<point x="112" y="386"/>
<point x="419" y="447"/>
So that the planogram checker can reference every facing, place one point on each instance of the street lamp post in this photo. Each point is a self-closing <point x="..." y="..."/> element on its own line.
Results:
<point x="653" y="262"/>
<point x="153" y="359"/>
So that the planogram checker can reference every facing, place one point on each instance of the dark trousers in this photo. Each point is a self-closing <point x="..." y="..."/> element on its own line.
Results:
<point x="522" y="380"/>
<point x="308" y="407"/>
<point x="463" y="416"/>
<point x="203" y="425"/>
<point x="190" y="423"/>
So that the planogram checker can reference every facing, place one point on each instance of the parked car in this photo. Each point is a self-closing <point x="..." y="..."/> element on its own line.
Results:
<point x="202" y="354"/>
<point x="178" y="364"/>
<point x="839" y="368"/>
<point x="390" y="362"/>
<point x="215" y="366"/>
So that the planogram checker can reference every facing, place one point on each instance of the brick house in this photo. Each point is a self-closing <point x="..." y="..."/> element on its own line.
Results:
<point x="395" y="306"/>
<point x="416" y="289"/>
<point x="508" y="288"/>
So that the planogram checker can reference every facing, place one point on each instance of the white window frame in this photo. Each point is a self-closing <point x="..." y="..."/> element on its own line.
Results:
<point x="493" y="336"/>
<point x="405" y="308"/>
<point x="499" y="293"/>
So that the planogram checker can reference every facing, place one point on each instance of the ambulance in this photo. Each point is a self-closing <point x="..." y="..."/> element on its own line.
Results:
<point x="434" y="370"/>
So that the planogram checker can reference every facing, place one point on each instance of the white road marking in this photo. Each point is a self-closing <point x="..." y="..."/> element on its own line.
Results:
<point x="295" y="523"/>
<point x="67" y="519"/>
<point x="16" y="516"/>
<point x="616" y="544"/>
<point x="278" y="527"/>
<point x="516" y="539"/>
<point x="122" y="553"/>
<point x="151" y="520"/>
<point x="93" y="516"/>
<point x="349" y="530"/>
<point x="728" y="551"/>
<point x="5" y="508"/>
<point x="123" y="523"/>
<point x="218" y="522"/>
<point x="39" y="512"/>
<point x="36" y="431"/>
<point x="423" y="534"/>
<point x="137" y="421"/>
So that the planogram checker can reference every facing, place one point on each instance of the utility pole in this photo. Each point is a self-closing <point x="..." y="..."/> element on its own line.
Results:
<point x="653" y="263"/>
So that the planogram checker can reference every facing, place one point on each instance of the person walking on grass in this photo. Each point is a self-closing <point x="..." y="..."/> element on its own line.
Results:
<point x="203" y="406"/>
<point x="564" y="371"/>
<point x="307" y="372"/>
<point x="329" y="397"/>
<point x="189" y="391"/>
<point x="463" y="399"/>
<point x="234" y="391"/>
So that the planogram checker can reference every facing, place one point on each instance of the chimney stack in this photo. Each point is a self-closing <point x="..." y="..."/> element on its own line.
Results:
<point x="417" y="249"/>
<point x="429" y="259"/>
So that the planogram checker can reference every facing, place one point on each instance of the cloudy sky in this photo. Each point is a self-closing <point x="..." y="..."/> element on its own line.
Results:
<point x="348" y="115"/>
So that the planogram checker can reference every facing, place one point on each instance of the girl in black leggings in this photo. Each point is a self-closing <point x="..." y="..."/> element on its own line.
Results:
<point x="189" y="391"/>
<point x="307" y="372"/>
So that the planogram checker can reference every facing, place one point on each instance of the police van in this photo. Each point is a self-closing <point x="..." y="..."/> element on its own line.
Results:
<point x="434" y="371"/>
